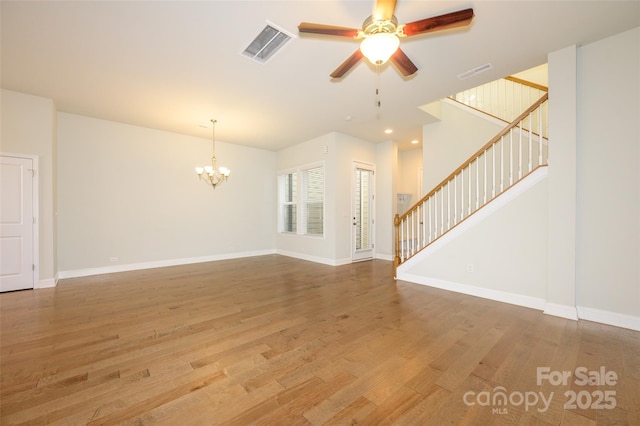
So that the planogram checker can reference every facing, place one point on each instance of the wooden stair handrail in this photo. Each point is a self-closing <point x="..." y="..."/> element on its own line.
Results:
<point x="527" y="83"/>
<point x="471" y="159"/>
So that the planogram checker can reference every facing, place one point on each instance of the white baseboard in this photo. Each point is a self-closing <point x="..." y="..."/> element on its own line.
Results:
<point x="615" y="319"/>
<point x="610" y="318"/>
<point x="316" y="259"/>
<point x="382" y="256"/>
<point x="48" y="283"/>
<point x="485" y="293"/>
<point x="563" y="311"/>
<point x="158" y="264"/>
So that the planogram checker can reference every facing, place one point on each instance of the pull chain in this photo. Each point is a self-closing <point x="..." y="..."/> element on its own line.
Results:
<point x="378" y="103"/>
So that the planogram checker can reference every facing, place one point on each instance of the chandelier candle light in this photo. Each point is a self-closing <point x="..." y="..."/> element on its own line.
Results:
<point x="209" y="174"/>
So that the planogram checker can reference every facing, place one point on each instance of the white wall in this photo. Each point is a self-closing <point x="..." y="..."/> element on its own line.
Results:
<point x="386" y="196"/>
<point x="608" y="177"/>
<point x="451" y="141"/>
<point x="538" y="75"/>
<point x="409" y="165"/>
<point x="318" y="249"/>
<point x="562" y="184"/>
<point x="131" y="193"/>
<point x="28" y="127"/>
<point x="338" y="152"/>
<point x="592" y="230"/>
<point x="502" y="256"/>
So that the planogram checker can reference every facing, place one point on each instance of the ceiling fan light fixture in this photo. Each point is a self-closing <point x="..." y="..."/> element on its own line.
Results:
<point x="379" y="47"/>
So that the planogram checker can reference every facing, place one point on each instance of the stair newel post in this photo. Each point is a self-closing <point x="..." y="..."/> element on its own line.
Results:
<point x="396" y="260"/>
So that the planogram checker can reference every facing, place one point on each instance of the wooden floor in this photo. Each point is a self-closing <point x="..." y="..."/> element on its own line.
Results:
<point x="275" y="340"/>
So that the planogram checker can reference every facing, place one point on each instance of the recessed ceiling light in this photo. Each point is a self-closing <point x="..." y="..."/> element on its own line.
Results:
<point x="388" y="131"/>
<point x="415" y="141"/>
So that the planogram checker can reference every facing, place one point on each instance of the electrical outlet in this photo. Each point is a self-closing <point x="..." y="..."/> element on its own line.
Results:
<point x="471" y="267"/>
<point x="113" y="259"/>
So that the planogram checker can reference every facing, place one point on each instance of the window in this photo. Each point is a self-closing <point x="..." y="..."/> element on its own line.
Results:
<point x="313" y="194"/>
<point x="288" y="192"/>
<point x="301" y="201"/>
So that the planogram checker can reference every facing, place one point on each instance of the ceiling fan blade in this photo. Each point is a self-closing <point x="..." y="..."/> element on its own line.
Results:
<point x="384" y="10"/>
<point x="308" y="27"/>
<point x="404" y="64"/>
<point x="347" y="65"/>
<point x="437" y="23"/>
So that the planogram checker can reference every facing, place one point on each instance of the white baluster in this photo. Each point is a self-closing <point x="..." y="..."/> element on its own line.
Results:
<point x="520" y="155"/>
<point x="513" y="99"/>
<point x="455" y="199"/>
<point x="401" y="229"/>
<point x="505" y="115"/>
<point x="448" y="205"/>
<point x="408" y="235"/>
<point x="477" y="161"/>
<point x="530" y="153"/>
<point x="541" y="135"/>
<point x="511" y="160"/>
<point x="496" y="92"/>
<point x="484" y="155"/>
<point x="435" y="215"/>
<point x="419" y="226"/>
<point x="441" y="210"/>
<point x="469" y="195"/>
<point x="425" y="241"/>
<point x="502" y="163"/>
<point x="493" y="171"/>
<point x="412" y="233"/>
<point x="430" y="219"/>
<point x="418" y="233"/>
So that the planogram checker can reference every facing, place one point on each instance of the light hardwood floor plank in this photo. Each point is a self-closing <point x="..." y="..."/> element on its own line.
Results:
<point x="272" y="340"/>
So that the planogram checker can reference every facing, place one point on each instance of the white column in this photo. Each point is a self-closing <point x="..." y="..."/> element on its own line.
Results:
<point x="561" y="231"/>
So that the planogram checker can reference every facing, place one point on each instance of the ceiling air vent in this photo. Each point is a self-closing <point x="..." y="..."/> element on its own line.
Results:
<point x="267" y="43"/>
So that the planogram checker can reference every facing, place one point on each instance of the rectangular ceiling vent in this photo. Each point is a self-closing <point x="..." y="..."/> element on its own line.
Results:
<point x="475" y="71"/>
<point x="267" y="43"/>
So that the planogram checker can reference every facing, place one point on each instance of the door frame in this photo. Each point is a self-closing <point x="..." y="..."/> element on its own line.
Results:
<point x="35" y="195"/>
<point x="372" y="167"/>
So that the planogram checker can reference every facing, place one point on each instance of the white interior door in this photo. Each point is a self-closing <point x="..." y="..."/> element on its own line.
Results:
<point x="16" y="223"/>
<point x="363" y="212"/>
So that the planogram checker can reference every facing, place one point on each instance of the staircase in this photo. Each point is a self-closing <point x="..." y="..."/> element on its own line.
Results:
<point x="518" y="150"/>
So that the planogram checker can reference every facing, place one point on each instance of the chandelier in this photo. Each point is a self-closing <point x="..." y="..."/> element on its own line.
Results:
<point x="209" y="174"/>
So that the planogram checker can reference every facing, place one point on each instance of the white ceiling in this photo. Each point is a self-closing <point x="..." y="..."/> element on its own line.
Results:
<point x="173" y="65"/>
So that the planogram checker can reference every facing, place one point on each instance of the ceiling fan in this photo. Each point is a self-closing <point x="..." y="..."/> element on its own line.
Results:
<point x="380" y="35"/>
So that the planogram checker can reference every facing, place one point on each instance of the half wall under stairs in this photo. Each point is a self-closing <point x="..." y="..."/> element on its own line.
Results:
<point x="499" y="252"/>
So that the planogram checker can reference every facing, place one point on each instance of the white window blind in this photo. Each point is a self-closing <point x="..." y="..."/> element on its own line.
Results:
<point x="313" y="196"/>
<point x="288" y="195"/>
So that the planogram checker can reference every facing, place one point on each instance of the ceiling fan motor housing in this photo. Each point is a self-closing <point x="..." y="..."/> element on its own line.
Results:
<point x="373" y="26"/>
